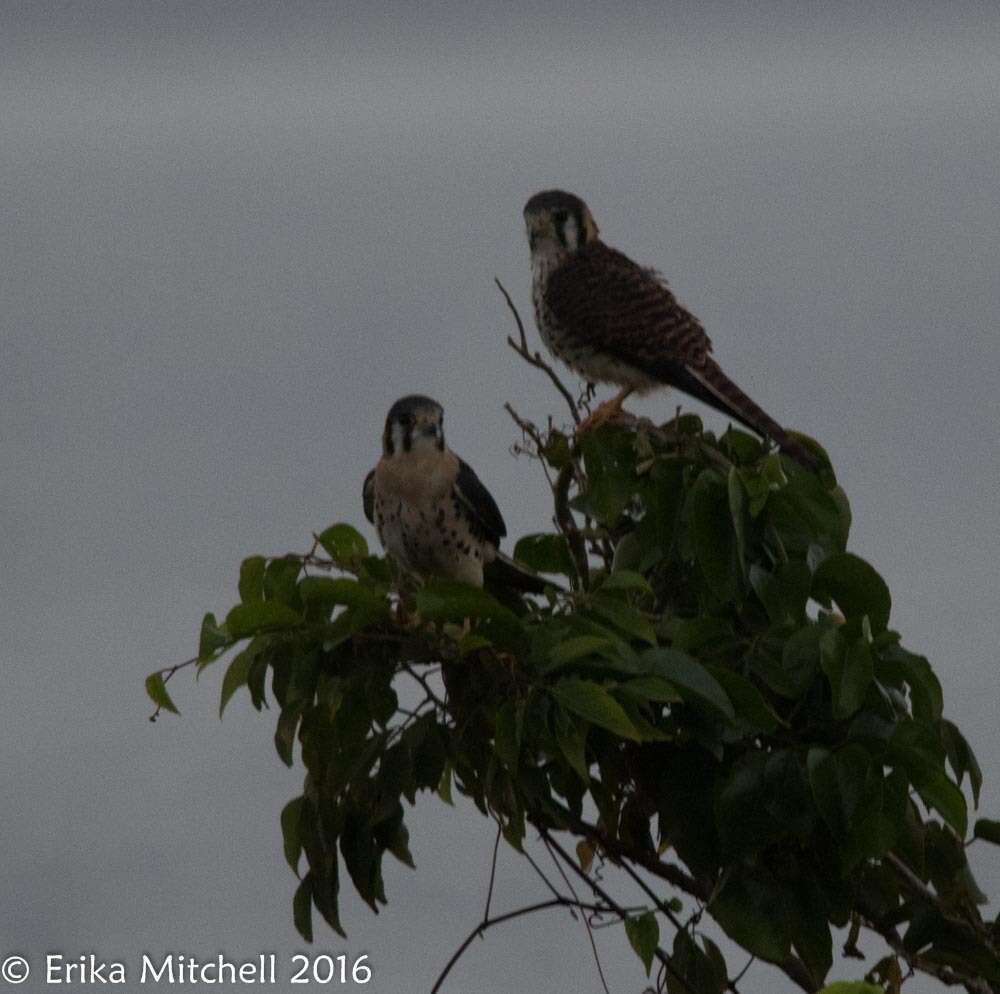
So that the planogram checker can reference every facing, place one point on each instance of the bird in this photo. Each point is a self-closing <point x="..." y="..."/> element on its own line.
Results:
<point x="433" y="515"/>
<point x="612" y="320"/>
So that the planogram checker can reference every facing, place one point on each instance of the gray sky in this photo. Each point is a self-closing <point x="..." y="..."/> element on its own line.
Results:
<point x="234" y="234"/>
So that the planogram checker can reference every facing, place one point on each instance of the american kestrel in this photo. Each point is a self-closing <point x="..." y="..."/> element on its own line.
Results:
<point x="613" y="321"/>
<point x="433" y="515"/>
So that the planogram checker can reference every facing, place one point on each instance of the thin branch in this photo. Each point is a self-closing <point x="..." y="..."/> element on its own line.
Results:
<point x="586" y="923"/>
<point x="555" y="902"/>
<point x="531" y="431"/>
<point x="540" y="873"/>
<point x="603" y="895"/>
<point x="739" y="976"/>
<point x="792" y="967"/>
<point x="660" y="905"/>
<point x="534" y="358"/>
<point x="493" y="872"/>
<point x="947" y="975"/>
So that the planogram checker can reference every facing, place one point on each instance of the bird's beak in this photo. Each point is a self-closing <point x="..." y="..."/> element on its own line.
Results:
<point x="538" y="228"/>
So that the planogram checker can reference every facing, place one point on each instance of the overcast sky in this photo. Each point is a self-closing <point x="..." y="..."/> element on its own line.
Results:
<point x="233" y="234"/>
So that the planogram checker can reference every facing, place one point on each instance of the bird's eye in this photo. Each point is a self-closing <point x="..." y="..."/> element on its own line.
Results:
<point x="560" y="218"/>
<point x="406" y="420"/>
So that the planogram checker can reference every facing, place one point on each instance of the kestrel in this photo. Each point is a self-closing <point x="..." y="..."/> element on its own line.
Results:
<point x="433" y="515"/>
<point x="613" y="321"/>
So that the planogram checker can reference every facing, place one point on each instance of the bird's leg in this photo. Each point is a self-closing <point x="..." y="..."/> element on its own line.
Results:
<point x="604" y="412"/>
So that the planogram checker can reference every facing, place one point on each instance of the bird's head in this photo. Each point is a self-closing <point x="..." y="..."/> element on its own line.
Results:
<point x="558" y="223"/>
<point x="414" y="425"/>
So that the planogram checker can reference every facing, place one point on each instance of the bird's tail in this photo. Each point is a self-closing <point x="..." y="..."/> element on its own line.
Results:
<point x="710" y="384"/>
<point x="512" y="575"/>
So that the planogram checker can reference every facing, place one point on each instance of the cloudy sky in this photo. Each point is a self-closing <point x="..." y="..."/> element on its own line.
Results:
<point x="234" y="233"/>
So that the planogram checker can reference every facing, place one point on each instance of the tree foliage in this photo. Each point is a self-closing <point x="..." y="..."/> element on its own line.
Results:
<point x="713" y="699"/>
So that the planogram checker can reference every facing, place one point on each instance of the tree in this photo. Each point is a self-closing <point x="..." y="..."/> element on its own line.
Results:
<point x="712" y="701"/>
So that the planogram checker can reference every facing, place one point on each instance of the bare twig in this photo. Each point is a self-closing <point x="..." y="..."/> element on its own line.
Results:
<point x="493" y="872"/>
<point x="555" y="902"/>
<point x="534" y="358"/>
<point x="586" y="923"/>
<point x="603" y="895"/>
<point x="792" y="966"/>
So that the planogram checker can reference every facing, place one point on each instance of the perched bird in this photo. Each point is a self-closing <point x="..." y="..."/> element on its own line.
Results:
<point x="613" y="321"/>
<point x="433" y="515"/>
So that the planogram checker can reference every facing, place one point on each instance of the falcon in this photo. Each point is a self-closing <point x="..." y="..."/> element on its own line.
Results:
<point x="613" y="321"/>
<point x="433" y="515"/>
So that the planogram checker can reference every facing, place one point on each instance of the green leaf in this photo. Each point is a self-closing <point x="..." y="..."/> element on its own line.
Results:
<point x="281" y="581"/>
<point x="939" y="793"/>
<point x="961" y="757"/>
<point x="609" y="459"/>
<point x="893" y="662"/>
<point x="251" y="584"/>
<point x="712" y="536"/>
<point x="880" y="816"/>
<point x="652" y="688"/>
<point x="745" y="908"/>
<point x="545" y="553"/>
<point x="693" y="681"/>
<point x="581" y="647"/>
<point x="447" y="600"/>
<point x="738" y="511"/>
<point x="804" y="513"/>
<point x="249" y="619"/>
<point x="444" y="786"/>
<point x="751" y="709"/>
<point x="571" y="737"/>
<point x="627" y="580"/>
<point x="644" y="935"/>
<point x="236" y="677"/>
<point x="800" y="659"/>
<point x="507" y="736"/>
<point x="988" y="830"/>
<point x="557" y="451"/>
<point x="784" y="592"/>
<point x="856" y="587"/>
<point x="290" y="814"/>
<point x="623" y="616"/>
<point x="837" y="780"/>
<point x="212" y="640"/>
<point x="807" y="913"/>
<point x="329" y="592"/>
<point x="849" y="673"/>
<point x="744" y="822"/>
<point x="284" y="734"/>
<point x="157" y="691"/>
<point x="302" y="908"/>
<point x="345" y="545"/>
<point x="591" y="701"/>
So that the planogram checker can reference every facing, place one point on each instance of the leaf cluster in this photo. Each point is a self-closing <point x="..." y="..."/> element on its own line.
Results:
<point x="718" y="698"/>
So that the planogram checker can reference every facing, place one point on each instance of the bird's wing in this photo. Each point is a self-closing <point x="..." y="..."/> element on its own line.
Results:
<point x="610" y="303"/>
<point x="479" y="503"/>
<point x="368" y="496"/>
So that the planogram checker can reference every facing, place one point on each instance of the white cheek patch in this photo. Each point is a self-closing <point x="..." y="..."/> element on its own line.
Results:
<point x="397" y="436"/>
<point x="571" y="232"/>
